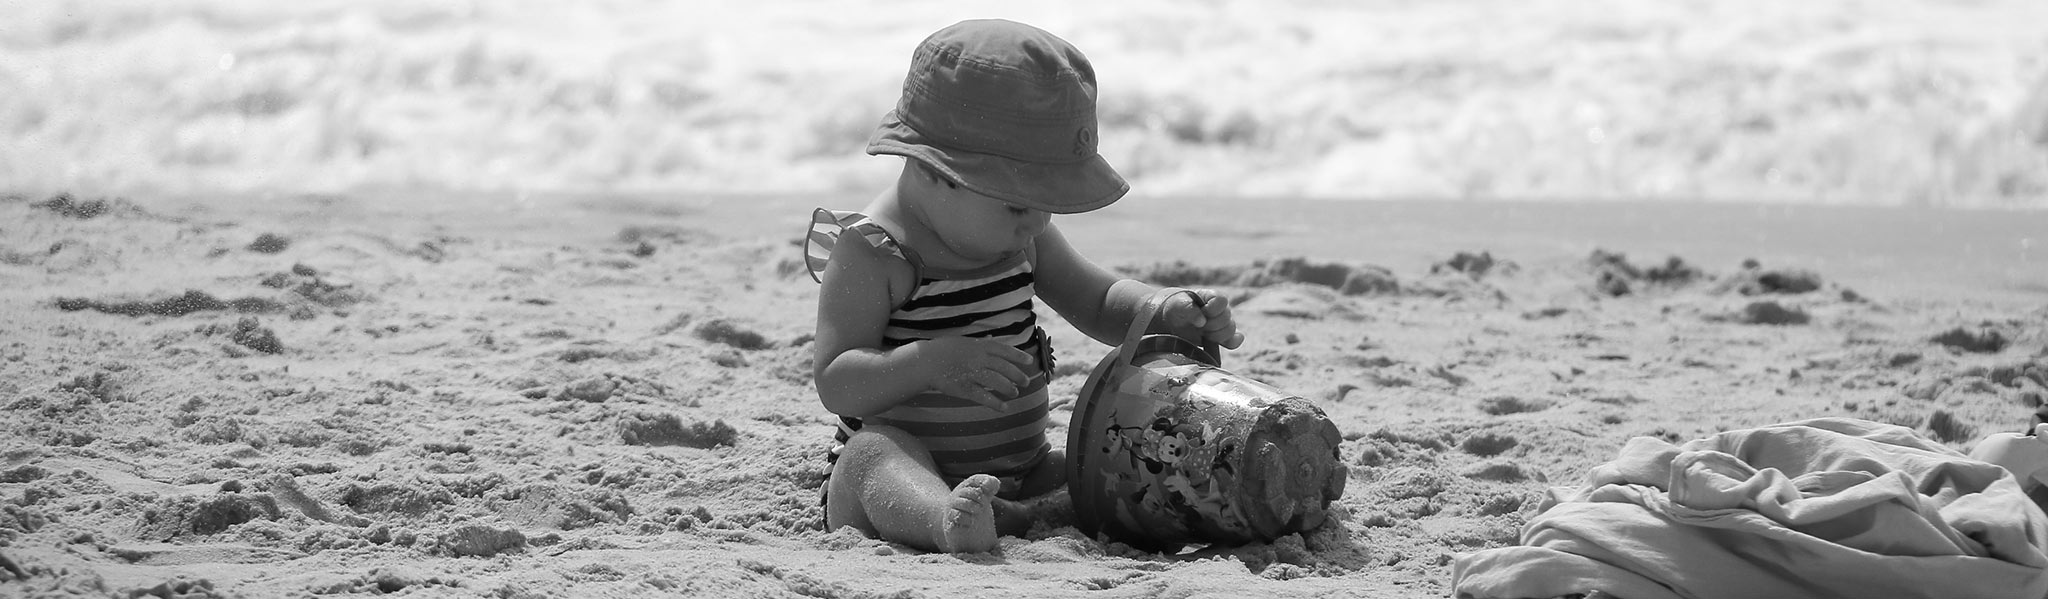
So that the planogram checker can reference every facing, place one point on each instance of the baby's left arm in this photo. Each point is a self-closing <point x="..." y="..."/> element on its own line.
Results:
<point x="1102" y="305"/>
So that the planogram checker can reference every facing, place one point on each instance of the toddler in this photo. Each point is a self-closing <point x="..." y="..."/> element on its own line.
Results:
<point x="928" y="347"/>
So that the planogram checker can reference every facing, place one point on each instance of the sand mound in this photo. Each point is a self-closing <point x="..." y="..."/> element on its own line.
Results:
<point x="1983" y="339"/>
<point x="65" y="204"/>
<point x="667" y="429"/>
<point x="187" y="516"/>
<point x="1614" y="275"/>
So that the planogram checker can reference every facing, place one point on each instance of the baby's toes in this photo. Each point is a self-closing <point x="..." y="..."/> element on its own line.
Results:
<point x="978" y="490"/>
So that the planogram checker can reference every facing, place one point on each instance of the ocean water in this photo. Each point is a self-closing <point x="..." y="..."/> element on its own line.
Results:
<point x="1891" y="102"/>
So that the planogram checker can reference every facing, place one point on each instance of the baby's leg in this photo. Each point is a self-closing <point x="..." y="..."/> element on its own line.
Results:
<point x="886" y="485"/>
<point x="1049" y="475"/>
<point x="1014" y="518"/>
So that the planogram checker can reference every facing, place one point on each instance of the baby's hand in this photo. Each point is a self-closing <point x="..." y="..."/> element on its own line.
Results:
<point x="1211" y="317"/>
<point x="977" y="369"/>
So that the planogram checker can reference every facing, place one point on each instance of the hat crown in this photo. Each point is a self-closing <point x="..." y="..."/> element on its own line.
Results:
<point x="1003" y="88"/>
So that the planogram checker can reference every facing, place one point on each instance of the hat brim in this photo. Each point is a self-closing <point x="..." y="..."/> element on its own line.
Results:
<point x="1066" y="188"/>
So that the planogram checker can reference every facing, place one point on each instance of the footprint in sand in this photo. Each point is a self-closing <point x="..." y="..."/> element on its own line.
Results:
<point x="269" y="243"/>
<point x="1500" y="471"/>
<point x="731" y="332"/>
<point x="1949" y="429"/>
<point x="1502" y="405"/>
<point x="476" y="540"/>
<point x="384" y="497"/>
<point x="1488" y="444"/>
<point x="1771" y="313"/>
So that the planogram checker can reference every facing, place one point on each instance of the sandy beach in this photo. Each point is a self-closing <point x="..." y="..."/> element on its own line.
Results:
<point x="602" y="396"/>
<point x="464" y="299"/>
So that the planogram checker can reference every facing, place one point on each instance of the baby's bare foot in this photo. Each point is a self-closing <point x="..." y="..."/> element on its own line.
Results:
<point x="970" y="526"/>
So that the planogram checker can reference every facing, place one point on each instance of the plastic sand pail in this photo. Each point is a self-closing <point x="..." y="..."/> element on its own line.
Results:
<point x="1166" y="448"/>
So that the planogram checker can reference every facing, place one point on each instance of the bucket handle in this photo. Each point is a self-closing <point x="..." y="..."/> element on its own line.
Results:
<point x="1153" y="309"/>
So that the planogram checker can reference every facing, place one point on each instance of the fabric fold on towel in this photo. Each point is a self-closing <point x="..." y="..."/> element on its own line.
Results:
<point x="1829" y="507"/>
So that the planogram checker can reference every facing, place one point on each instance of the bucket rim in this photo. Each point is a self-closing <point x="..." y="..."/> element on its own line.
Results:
<point x="1078" y="486"/>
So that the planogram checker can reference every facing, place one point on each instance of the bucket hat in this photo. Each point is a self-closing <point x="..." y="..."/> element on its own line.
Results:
<point x="1006" y="110"/>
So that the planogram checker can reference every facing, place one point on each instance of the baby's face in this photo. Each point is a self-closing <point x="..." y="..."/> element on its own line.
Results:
<point x="980" y="227"/>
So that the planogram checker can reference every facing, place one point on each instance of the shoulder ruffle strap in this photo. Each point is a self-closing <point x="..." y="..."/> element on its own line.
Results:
<point x="827" y="226"/>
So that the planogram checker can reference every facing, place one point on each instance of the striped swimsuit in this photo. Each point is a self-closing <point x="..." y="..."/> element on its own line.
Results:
<point x="993" y="302"/>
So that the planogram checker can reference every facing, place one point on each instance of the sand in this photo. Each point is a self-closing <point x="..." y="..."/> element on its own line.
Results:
<point x="609" y="395"/>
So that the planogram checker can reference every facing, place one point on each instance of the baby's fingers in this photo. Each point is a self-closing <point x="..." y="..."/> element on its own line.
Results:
<point x="1003" y="381"/>
<point x="1012" y="356"/>
<point x="995" y="385"/>
<point x="1182" y="311"/>
<point x="1221" y="327"/>
<point x="987" y="399"/>
<point x="1214" y="305"/>
<point x="981" y="387"/>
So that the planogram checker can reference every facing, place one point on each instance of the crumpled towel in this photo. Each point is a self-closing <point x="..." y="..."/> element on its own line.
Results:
<point x="1830" y="507"/>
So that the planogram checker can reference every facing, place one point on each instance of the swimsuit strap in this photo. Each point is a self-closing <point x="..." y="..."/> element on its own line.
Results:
<point x="829" y="226"/>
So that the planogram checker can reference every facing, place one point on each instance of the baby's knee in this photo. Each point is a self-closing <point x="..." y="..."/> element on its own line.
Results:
<point x="879" y="437"/>
<point x="878" y="444"/>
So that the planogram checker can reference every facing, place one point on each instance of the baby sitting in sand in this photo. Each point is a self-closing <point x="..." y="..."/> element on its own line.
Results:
<point x="928" y="348"/>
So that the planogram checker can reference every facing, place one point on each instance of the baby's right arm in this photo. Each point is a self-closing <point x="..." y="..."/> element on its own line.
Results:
<point x="857" y="376"/>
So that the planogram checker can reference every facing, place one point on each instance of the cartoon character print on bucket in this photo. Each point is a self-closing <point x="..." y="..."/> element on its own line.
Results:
<point x="1167" y="449"/>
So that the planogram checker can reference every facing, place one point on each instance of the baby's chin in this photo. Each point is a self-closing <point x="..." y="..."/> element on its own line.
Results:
<point x="992" y="256"/>
<point x="1019" y="246"/>
<point x="988" y="249"/>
